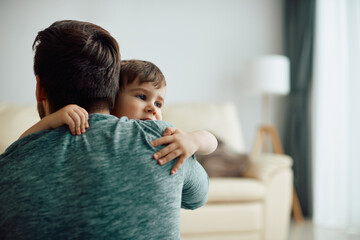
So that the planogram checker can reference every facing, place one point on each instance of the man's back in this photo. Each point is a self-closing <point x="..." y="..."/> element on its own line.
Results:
<point x="101" y="185"/>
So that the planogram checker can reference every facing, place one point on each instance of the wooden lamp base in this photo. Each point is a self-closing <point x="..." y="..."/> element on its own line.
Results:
<point x="268" y="130"/>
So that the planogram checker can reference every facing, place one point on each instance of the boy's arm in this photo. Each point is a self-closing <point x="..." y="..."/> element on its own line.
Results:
<point x="74" y="116"/>
<point x="181" y="144"/>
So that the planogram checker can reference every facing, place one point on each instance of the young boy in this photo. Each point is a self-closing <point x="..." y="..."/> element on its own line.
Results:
<point x="141" y="97"/>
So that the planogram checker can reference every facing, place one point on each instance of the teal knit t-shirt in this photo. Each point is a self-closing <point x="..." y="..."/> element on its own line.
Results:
<point x="103" y="184"/>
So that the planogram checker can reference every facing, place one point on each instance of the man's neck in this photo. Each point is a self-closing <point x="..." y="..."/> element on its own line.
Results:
<point x="104" y="111"/>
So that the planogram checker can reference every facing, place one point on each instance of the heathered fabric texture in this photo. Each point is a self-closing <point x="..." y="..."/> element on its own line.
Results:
<point x="103" y="184"/>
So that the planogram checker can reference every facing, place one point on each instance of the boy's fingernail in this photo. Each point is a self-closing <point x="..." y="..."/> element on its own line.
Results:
<point x="172" y="172"/>
<point x="155" y="156"/>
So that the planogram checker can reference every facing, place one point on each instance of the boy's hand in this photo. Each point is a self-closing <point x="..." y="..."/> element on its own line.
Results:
<point x="180" y="144"/>
<point x="72" y="115"/>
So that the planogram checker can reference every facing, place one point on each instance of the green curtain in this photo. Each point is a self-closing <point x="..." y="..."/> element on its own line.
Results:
<point x="299" y="24"/>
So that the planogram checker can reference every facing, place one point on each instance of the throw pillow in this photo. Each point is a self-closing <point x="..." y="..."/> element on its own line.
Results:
<point x="224" y="162"/>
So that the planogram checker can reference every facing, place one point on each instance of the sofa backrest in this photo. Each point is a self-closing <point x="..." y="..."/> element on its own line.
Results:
<point x="221" y="119"/>
<point x="14" y="120"/>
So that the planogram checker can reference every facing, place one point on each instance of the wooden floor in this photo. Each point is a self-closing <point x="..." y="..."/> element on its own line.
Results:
<point x="309" y="231"/>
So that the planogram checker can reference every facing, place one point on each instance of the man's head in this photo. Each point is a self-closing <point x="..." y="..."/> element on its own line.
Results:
<point x="142" y="91"/>
<point x="76" y="63"/>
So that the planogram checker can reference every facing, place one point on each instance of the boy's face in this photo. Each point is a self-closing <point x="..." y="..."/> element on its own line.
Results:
<point x="140" y="101"/>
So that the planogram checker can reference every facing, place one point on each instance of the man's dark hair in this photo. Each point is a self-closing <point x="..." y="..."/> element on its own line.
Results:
<point x="141" y="71"/>
<point x="77" y="63"/>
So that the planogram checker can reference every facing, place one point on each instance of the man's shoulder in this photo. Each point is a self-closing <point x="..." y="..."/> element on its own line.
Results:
<point x="104" y="119"/>
<point x="35" y="140"/>
<point x="160" y="125"/>
<point x="152" y="127"/>
<point x="101" y="126"/>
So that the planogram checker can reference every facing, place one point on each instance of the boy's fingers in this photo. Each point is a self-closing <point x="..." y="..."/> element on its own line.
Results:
<point x="70" y="122"/>
<point x="169" y="131"/>
<point x="177" y="166"/>
<point x="83" y="120"/>
<point x="169" y="157"/>
<point x="77" y="120"/>
<point x="161" y="141"/>
<point x="164" y="151"/>
<point x="86" y="114"/>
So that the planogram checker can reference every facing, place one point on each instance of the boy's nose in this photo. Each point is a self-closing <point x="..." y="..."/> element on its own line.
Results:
<point x="150" y="109"/>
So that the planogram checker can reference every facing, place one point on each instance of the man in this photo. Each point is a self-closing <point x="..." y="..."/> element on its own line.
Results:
<point x="100" y="185"/>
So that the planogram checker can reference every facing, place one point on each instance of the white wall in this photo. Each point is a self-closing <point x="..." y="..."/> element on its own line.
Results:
<point x="201" y="46"/>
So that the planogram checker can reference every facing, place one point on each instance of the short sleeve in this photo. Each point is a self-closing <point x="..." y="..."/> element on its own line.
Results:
<point x="195" y="179"/>
<point x="196" y="185"/>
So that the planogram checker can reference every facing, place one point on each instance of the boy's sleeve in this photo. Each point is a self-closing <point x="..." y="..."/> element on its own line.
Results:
<point x="196" y="185"/>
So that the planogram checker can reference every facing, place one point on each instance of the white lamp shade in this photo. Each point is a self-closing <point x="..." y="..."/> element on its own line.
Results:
<point x="268" y="74"/>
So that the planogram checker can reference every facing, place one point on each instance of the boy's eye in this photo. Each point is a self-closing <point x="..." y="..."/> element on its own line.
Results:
<point x="158" y="104"/>
<point x="141" y="96"/>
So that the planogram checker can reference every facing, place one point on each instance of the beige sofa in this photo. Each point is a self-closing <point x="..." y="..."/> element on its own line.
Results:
<point x="256" y="206"/>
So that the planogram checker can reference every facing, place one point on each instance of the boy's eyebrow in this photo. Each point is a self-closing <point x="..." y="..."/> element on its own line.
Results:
<point x="161" y="99"/>
<point x="139" y="89"/>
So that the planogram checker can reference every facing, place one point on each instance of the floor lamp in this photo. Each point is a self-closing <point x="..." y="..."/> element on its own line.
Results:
<point x="269" y="75"/>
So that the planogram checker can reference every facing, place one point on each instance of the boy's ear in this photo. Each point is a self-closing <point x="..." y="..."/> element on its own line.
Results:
<point x="40" y="92"/>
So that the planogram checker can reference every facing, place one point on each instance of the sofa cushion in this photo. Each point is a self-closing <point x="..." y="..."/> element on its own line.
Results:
<point x="219" y="118"/>
<point x="265" y="166"/>
<point x="14" y="120"/>
<point x="222" y="190"/>
<point x="219" y="219"/>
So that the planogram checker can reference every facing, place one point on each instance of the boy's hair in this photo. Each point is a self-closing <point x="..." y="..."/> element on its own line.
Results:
<point x="141" y="71"/>
<point x="77" y="63"/>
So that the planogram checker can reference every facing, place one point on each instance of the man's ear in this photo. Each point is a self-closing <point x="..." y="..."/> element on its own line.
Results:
<point x="40" y="92"/>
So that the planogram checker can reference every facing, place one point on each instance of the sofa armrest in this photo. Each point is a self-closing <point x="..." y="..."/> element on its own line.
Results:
<point x="276" y="173"/>
<point x="265" y="166"/>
